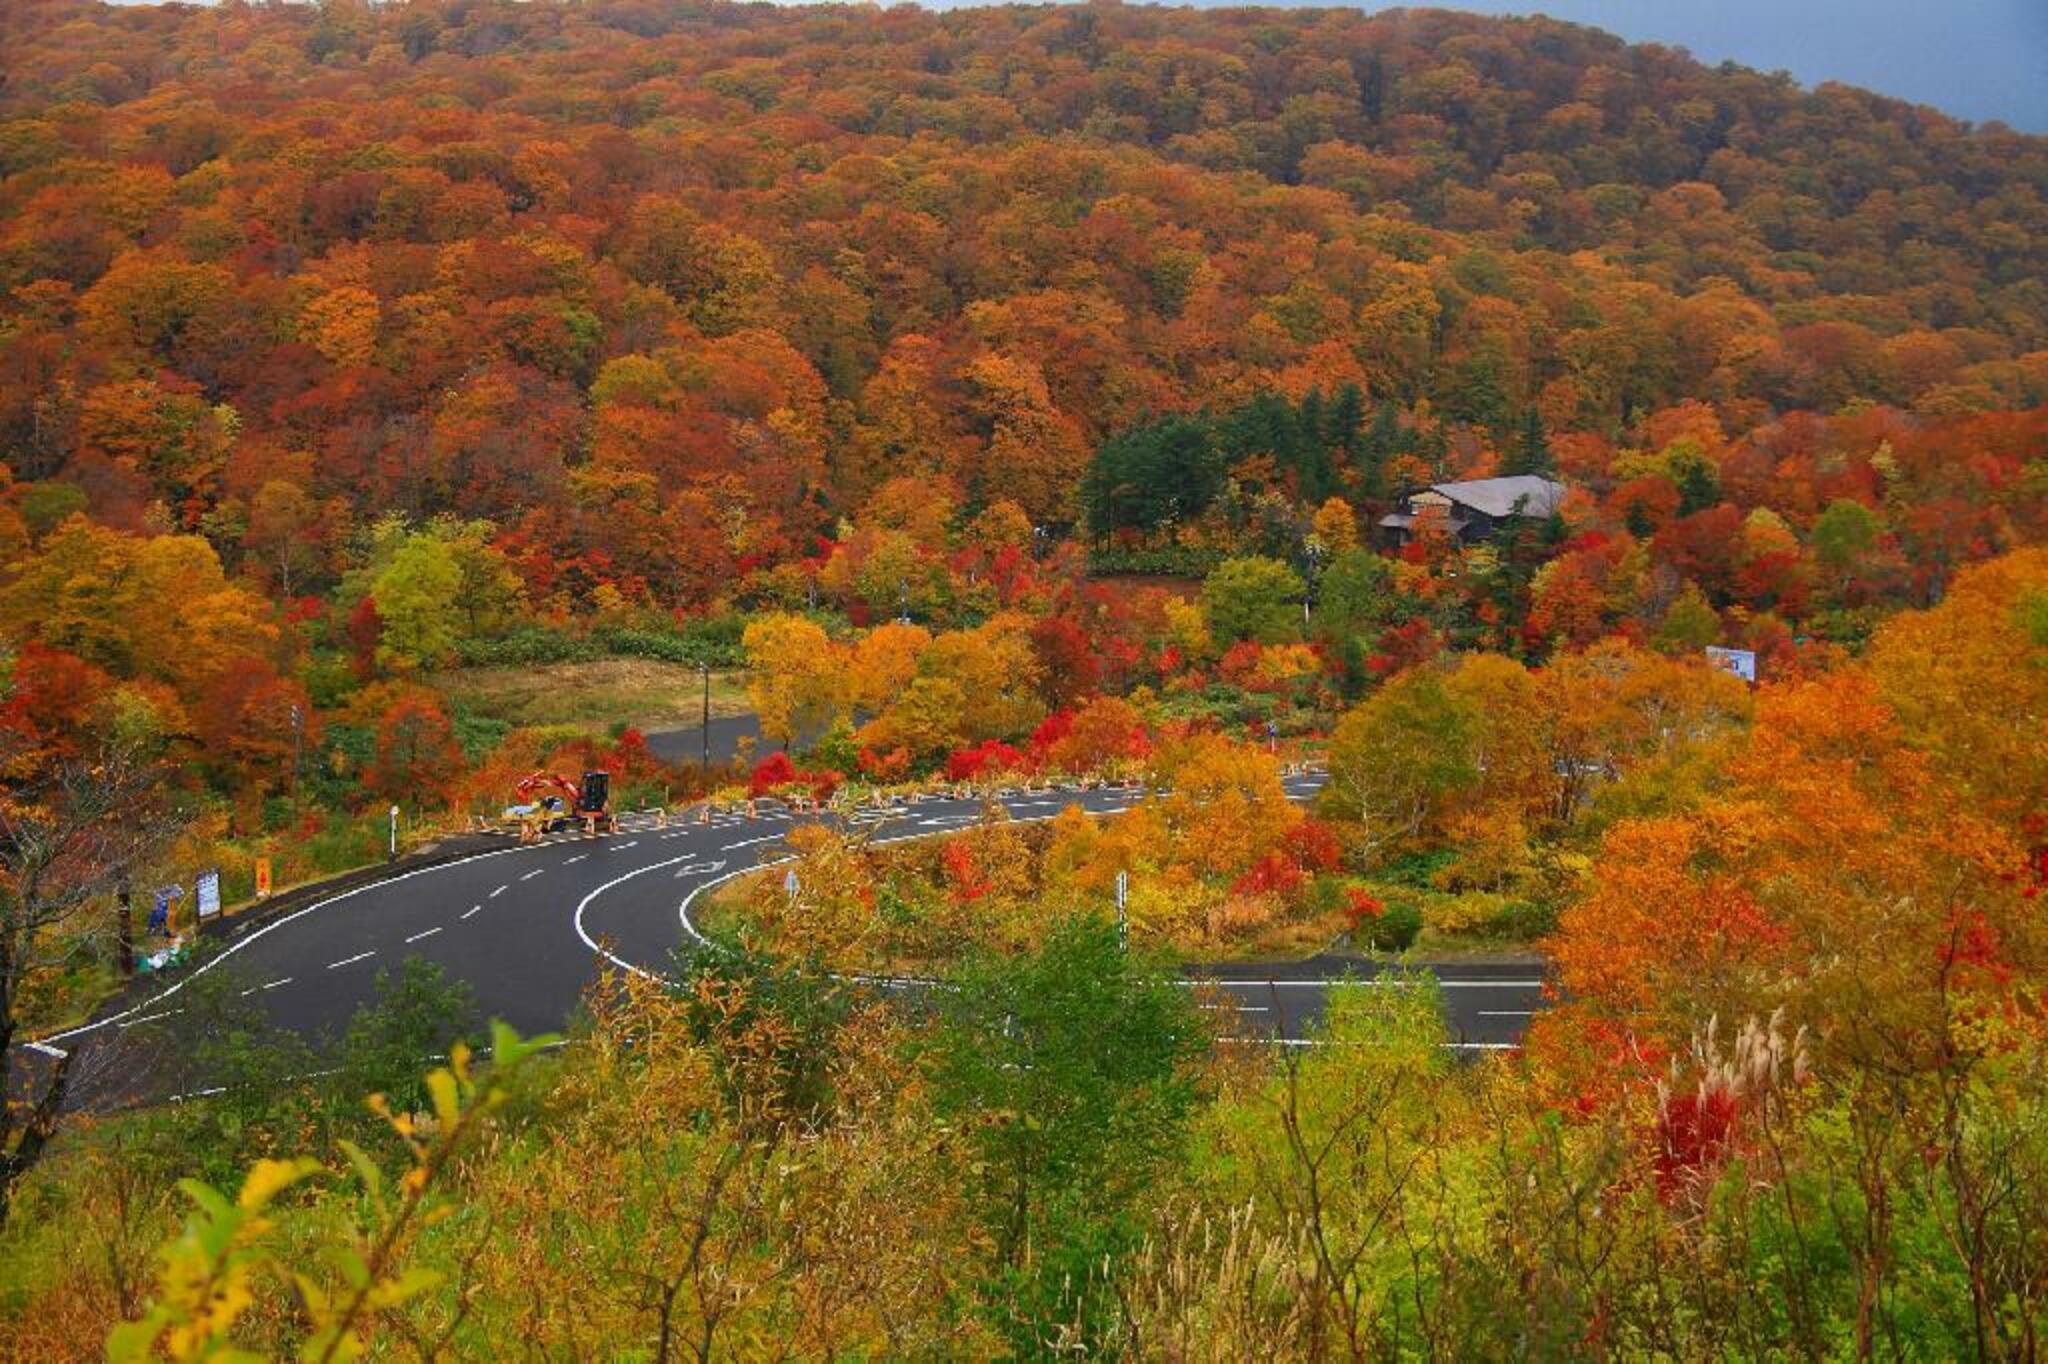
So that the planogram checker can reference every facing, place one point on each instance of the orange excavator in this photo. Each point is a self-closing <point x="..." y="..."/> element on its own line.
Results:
<point x="548" y="802"/>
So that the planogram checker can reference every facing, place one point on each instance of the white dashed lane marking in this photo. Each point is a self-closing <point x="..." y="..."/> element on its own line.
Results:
<point x="574" y="860"/>
<point x="535" y="872"/>
<point x="271" y="986"/>
<point x="473" y="909"/>
<point x="428" y="934"/>
<point x="499" y="891"/>
<point x="750" y="842"/>
<point x="349" y="961"/>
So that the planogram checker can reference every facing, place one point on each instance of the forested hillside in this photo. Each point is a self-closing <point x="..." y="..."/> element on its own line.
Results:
<point x="1025" y="394"/>
<point x="664" y="289"/>
<point x="341" y="343"/>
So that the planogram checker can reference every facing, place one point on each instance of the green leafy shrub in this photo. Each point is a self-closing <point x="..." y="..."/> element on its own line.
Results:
<point x="1395" y="930"/>
<point x="530" y="645"/>
<point x="1174" y="561"/>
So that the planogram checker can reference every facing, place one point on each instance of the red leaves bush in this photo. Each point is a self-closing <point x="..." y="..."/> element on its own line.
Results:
<point x="989" y="756"/>
<point x="1274" y="874"/>
<point x="884" y="768"/>
<point x="776" y="772"/>
<point x="1694" y="1134"/>
<point x="1313" y="846"/>
<point x="1050" y="731"/>
<point x="963" y="874"/>
<point x="1362" y="905"/>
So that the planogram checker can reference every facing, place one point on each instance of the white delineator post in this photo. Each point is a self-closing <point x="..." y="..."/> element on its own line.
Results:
<point x="1123" y="921"/>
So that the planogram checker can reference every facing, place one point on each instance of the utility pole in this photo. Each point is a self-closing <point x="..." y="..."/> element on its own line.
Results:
<point x="704" y="730"/>
<point x="1314" y="554"/>
<point x="298" y="740"/>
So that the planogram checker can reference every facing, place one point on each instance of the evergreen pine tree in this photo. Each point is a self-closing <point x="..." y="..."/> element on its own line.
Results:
<point x="1314" y="476"/>
<point x="1378" y="445"/>
<point x="1532" y="454"/>
<point x="1344" y="423"/>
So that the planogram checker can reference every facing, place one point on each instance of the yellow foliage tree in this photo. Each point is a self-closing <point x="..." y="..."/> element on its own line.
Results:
<point x="796" y="676"/>
<point x="996" y="671"/>
<point x="1969" y="680"/>
<point x="1335" y="527"/>
<point x="883" y="662"/>
<point x="1225" y="806"/>
<point x="342" y="325"/>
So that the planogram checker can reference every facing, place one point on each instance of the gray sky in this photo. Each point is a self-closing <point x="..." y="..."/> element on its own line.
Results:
<point x="1977" y="59"/>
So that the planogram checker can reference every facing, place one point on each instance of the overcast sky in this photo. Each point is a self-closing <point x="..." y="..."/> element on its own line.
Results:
<point x="1978" y="59"/>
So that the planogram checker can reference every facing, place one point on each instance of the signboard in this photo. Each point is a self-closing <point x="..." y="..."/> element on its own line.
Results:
<point x="262" y="877"/>
<point x="1741" y="662"/>
<point x="206" y="894"/>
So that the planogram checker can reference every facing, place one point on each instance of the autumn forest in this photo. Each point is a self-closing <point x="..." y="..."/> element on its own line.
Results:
<point x="1618" y="484"/>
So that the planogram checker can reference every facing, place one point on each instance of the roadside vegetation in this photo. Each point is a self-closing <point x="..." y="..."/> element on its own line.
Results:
<point x="1055" y="1159"/>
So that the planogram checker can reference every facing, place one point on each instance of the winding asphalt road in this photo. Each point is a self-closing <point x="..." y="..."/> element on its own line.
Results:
<point x="530" y="926"/>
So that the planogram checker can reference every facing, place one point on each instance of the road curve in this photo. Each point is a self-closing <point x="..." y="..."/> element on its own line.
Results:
<point x="530" y="927"/>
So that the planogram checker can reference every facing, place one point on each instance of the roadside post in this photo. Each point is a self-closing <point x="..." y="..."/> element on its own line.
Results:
<point x="394" y="833"/>
<point x="1123" y="918"/>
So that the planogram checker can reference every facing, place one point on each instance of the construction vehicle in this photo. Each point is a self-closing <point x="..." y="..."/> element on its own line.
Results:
<point x="549" y="803"/>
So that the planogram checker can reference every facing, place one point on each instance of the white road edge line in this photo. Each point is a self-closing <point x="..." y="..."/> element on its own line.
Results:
<point x="1321" y="1042"/>
<point x="581" y="905"/>
<point x="116" y="1020"/>
<point x="1363" y="980"/>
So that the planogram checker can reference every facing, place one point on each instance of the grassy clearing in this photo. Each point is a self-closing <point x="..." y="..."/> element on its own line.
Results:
<point x="645" y="693"/>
